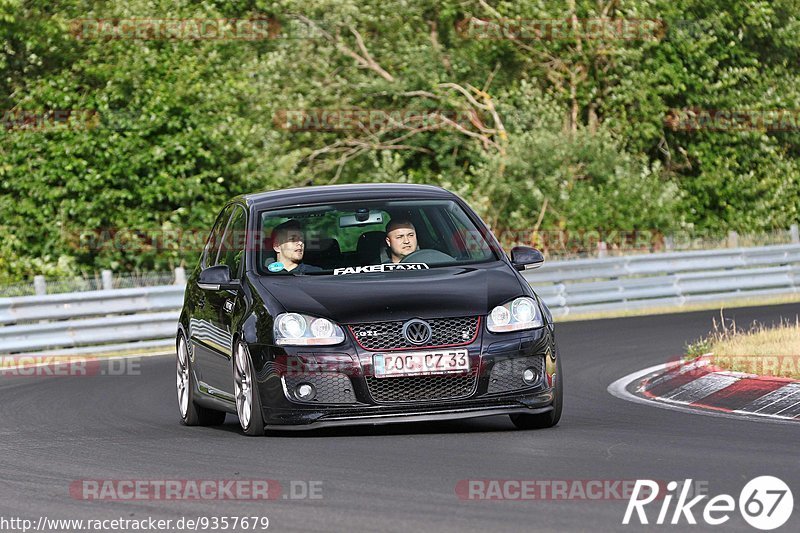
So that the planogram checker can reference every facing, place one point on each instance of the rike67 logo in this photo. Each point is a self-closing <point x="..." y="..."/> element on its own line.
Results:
<point x="765" y="503"/>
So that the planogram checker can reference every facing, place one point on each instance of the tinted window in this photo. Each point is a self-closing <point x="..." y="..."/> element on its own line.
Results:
<point x="215" y="238"/>
<point x="466" y="241"/>
<point x="232" y="248"/>
<point x="325" y="239"/>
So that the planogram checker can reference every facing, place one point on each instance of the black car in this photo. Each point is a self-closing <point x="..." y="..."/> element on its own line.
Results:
<point x="362" y="304"/>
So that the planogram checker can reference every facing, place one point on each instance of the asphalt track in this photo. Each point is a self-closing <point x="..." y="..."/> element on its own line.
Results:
<point x="56" y="430"/>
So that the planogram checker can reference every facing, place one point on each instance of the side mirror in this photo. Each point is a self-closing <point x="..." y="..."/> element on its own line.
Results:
<point x="525" y="257"/>
<point x="217" y="278"/>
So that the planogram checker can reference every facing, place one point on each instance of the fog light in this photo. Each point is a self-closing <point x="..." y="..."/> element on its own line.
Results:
<point x="305" y="391"/>
<point x="530" y="376"/>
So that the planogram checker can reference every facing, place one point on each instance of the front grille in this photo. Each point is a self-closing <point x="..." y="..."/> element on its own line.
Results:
<point x="378" y="336"/>
<point x="420" y="388"/>
<point x="506" y="375"/>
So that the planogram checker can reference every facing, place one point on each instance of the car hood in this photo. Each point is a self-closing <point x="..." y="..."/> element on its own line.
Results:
<point x="439" y="292"/>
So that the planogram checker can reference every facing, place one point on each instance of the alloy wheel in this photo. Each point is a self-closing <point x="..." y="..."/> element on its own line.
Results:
<point x="243" y="387"/>
<point x="182" y="378"/>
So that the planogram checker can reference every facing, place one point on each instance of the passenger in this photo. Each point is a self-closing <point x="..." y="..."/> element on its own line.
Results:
<point x="401" y="238"/>
<point x="288" y="241"/>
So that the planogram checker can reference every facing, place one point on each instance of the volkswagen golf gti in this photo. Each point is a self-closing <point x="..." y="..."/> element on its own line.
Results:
<point x="362" y="304"/>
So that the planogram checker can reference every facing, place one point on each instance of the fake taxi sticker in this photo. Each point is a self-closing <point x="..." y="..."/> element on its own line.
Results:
<point x="388" y="267"/>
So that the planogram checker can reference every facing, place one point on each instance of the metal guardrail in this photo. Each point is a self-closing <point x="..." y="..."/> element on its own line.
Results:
<point x="91" y="321"/>
<point x="669" y="279"/>
<point x="117" y="319"/>
<point x="90" y="303"/>
<point x="94" y="331"/>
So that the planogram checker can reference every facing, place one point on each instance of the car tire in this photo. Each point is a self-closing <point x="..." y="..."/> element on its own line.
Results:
<point x="191" y="413"/>
<point x="549" y="419"/>
<point x="248" y="401"/>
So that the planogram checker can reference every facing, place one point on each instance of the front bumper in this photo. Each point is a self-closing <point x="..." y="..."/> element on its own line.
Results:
<point x="428" y="415"/>
<point x="359" y="406"/>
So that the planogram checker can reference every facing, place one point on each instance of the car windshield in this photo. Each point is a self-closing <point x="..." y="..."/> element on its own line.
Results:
<point x="368" y="236"/>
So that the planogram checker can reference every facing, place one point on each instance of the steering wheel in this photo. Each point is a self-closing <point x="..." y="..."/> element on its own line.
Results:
<point x="427" y="256"/>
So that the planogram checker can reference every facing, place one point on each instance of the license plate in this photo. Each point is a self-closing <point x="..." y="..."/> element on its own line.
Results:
<point x="420" y="363"/>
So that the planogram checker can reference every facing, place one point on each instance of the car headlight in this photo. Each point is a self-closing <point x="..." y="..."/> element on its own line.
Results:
<point x="520" y="313"/>
<point x="302" y="330"/>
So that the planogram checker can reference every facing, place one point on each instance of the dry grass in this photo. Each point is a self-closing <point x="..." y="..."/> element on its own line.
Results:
<point x="767" y="351"/>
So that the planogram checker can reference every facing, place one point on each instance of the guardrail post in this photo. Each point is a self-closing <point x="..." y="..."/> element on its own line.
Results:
<point x="180" y="276"/>
<point x="602" y="249"/>
<point x="108" y="280"/>
<point x="733" y="239"/>
<point x="794" y="230"/>
<point x="39" y="285"/>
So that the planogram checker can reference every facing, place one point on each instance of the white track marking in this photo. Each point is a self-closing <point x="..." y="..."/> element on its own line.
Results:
<point x="619" y="389"/>
<point x="780" y="398"/>
<point x="700" y="388"/>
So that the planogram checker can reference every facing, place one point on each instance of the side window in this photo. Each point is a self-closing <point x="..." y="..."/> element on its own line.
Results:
<point x="465" y="242"/>
<point x="430" y="233"/>
<point x="231" y="250"/>
<point x="214" y="239"/>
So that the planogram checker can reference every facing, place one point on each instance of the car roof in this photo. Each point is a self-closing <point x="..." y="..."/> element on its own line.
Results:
<point x="337" y="193"/>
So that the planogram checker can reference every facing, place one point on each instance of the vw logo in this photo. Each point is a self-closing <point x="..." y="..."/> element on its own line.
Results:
<point x="417" y="331"/>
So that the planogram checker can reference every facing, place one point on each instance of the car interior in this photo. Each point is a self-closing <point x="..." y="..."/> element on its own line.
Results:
<point x="330" y="246"/>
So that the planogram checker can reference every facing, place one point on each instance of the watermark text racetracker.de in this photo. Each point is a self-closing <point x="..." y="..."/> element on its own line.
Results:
<point x="371" y="120"/>
<point x="769" y="366"/>
<point x="733" y="120"/>
<point x="39" y="365"/>
<point x="257" y="28"/>
<point x="177" y="29"/>
<point x="555" y="241"/>
<point x="558" y="489"/>
<point x="192" y="523"/>
<point x="27" y="120"/>
<point x="778" y="365"/>
<point x="194" y="489"/>
<point x="565" y="29"/>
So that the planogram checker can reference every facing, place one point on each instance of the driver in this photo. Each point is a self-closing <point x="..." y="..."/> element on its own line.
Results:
<point x="288" y="241"/>
<point x="401" y="238"/>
